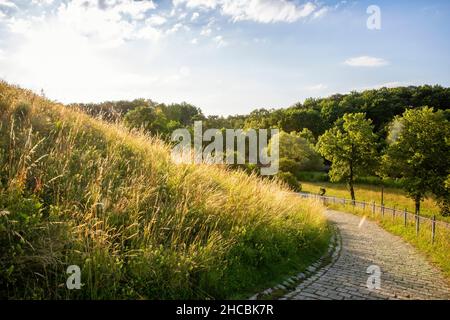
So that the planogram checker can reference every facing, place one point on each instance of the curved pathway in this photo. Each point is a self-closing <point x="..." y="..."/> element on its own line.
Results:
<point x="405" y="273"/>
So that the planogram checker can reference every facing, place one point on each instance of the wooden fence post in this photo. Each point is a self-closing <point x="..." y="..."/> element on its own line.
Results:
<point x="417" y="224"/>
<point x="405" y="216"/>
<point x="393" y="214"/>
<point x="433" y="229"/>
<point x="382" y="210"/>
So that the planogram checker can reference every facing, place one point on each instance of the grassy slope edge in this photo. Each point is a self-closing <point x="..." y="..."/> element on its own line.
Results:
<point x="78" y="191"/>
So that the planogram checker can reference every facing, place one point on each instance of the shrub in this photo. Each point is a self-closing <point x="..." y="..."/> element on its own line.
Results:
<point x="29" y="247"/>
<point x="290" y="180"/>
<point x="313" y="176"/>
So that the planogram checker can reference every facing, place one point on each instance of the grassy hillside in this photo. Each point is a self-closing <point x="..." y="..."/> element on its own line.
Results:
<point x="78" y="191"/>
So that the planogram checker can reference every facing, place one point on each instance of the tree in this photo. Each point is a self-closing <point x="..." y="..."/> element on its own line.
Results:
<point x="297" y="152"/>
<point x="150" y="119"/>
<point x="419" y="154"/>
<point x="296" y="119"/>
<point x="183" y="113"/>
<point x="351" y="147"/>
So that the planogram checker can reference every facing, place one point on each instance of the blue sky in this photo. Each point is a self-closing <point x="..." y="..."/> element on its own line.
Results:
<point x="224" y="56"/>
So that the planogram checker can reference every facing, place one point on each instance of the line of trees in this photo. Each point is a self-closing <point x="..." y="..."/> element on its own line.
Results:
<point x="385" y="132"/>
<point x="417" y="152"/>
<point x="316" y="115"/>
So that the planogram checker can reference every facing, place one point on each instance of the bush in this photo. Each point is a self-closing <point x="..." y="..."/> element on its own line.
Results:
<point x="322" y="191"/>
<point x="313" y="176"/>
<point x="29" y="255"/>
<point x="289" y="165"/>
<point x="290" y="180"/>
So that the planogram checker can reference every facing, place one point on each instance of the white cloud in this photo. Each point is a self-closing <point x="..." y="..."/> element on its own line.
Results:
<point x="194" y="41"/>
<point x="136" y="9"/>
<point x="320" y="13"/>
<point x="205" y="4"/>
<point x="182" y="16"/>
<point x="220" y="41"/>
<point x="42" y="2"/>
<point x="8" y="4"/>
<point x="67" y="49"/>
<point x="264" y="11"/>
<point x="176" y="27"/>
<point x="156" y="20"/>
<point x="267" y="11"/>
<point x="366" y="61"/>
<point x="206" y="31"/>
<point x="106" y="24"/>
<point x="195" y="16"/>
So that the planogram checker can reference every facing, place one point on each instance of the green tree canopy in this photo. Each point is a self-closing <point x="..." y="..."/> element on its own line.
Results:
<point x="150" y="119"/>
<point x="351" y="147"/>
<point x="419" y="154"/>
<point x="297" y="152"/>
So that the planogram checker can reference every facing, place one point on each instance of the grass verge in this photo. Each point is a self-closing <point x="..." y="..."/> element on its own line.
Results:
<point x="393" y="197"/>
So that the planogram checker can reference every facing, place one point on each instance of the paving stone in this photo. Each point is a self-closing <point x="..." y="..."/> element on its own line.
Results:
<point x="405" y="273"/>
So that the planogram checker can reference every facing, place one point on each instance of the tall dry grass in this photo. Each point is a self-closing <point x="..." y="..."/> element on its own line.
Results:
<point x="79" y="191"/>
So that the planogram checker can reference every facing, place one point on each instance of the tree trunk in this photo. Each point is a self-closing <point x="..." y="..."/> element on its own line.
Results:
<point x="350" y="183"/>
<point x="417" y="202"/>
<point x="352" y="190"/>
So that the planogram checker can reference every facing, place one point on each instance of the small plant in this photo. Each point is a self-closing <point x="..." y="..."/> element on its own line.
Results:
<point x="22" y="111"/>
<point x="322" y="191"/>
<point x="290" y="180"/>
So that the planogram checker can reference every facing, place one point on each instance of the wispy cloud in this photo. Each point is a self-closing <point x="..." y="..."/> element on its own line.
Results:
<point x="321" y="12"/>
<point x="220" y="41"/>
<point x="156" y="20"/>
<point x="195" y="16"/>
<point x="106" y="24"/>
<point x="205" y="4"/>
<point x="8" y="4"/>
<point x="366" y="61"/>
<point x="263" y="11"/>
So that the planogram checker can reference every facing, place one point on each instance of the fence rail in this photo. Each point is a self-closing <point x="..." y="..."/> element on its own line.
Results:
<point x="384" y="212"/>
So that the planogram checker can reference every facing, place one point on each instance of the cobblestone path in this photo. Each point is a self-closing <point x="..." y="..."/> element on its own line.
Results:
<point x="405" y="274"/>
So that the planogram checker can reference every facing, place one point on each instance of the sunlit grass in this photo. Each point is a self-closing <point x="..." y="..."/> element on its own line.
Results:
<point x="393" y="197"/>
<point x="77" y="190"/>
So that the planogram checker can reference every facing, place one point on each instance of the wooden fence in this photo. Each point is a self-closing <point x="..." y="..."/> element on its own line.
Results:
<point x="385" y="212"/>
